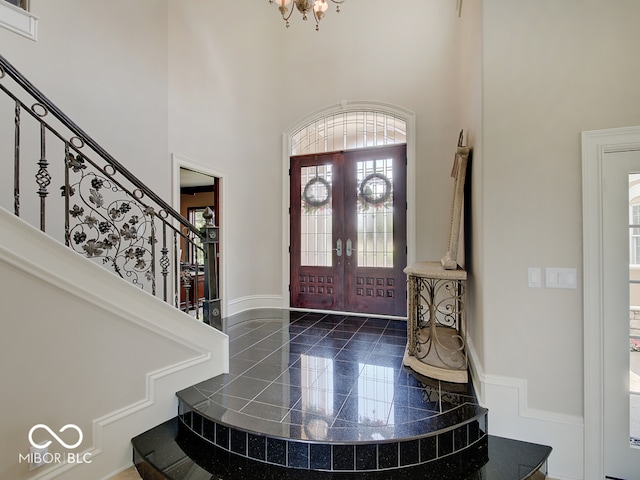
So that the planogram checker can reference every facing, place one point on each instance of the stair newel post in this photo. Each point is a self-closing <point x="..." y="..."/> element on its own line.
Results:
<point x="210" y="238"/>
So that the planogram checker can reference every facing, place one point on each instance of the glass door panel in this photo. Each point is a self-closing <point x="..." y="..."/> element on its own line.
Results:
<point x="348" y="231"/>
<point x="316" y="232"/>
<point x="375" y="213"/>
<point x="315" y="226"/>
<point x="634" y="309"/>
<point x="621" y="286"/>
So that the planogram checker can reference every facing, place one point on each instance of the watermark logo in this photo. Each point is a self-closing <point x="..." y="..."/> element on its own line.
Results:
<point x="59" y="440"/>
<point x="39" y="455"/>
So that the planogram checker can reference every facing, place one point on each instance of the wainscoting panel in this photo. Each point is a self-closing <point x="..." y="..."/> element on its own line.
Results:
<point x="511" y="417"/>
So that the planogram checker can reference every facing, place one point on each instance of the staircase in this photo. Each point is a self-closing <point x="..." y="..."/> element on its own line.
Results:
<point x="103" y="211"/>
<point x="315" y="396"/>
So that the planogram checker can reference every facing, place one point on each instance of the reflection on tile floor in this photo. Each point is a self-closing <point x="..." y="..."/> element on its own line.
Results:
<point x="309" y="376"/>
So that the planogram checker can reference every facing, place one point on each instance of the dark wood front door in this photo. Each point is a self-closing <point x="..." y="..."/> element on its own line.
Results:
<point x="348" y="231"/>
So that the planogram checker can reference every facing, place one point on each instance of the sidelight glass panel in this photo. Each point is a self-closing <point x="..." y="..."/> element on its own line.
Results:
<point x="316" y="218"/>
<point x="634" y="308"/>
<point x="375" y="213"/>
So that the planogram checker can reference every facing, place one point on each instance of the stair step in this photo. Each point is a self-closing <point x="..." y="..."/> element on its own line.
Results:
<point x="346" y="449"/>
<point x="171" y="451"/>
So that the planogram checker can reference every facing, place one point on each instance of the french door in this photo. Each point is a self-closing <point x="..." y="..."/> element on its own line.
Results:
<point x="348" y="242"/>
<point x="621" y="295"/>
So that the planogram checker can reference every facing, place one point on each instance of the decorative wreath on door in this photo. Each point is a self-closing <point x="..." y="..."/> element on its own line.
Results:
<point x="311" y="188"/>
<point x="370" y="192"/>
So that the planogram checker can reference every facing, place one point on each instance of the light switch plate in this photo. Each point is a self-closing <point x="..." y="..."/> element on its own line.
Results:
<point x="561" y="277"/>
<point x="534" y="277"/>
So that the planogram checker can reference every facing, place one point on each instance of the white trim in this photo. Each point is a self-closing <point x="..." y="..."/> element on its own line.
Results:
<point x="251" y="302"/>
<point x="117" y="428"/>
<point x="511" y="417"/>
<point x="18" y="20"/>
<point x="37" y="255"/>
<point x="595" y="144"/>
<point x="177" y="162"/>
<point x="345" y="106"/>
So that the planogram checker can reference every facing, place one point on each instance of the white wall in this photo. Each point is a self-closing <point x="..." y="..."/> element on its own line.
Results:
<point x="111" y="365"/>
<point x="223" y="104"/>
<point x="550" y="71"/>
<point x="81" y="346"/>
<point x="222" y="97"/>
<point x="405" y="56"/>
<point x="239" y="78"/>
<point x="105" y="65"/>
<point x="471" y="110"/>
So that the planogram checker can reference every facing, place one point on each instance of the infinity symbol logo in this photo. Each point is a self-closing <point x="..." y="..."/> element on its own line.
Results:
<point x="60" y="441"/>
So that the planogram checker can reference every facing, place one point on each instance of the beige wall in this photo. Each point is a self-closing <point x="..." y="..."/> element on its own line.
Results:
<point x="550" y="70"/>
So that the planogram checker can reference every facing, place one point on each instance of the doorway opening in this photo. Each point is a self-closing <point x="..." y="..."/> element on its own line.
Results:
<point x="611" y="161"/>
<point x="338" y="151"/>
<point x="197" y="188"/>
<point x="348" y="231"/>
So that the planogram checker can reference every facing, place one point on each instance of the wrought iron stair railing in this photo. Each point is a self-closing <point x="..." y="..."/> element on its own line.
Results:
<point x="103" y="211"/>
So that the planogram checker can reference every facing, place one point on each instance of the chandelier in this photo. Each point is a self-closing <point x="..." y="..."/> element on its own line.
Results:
<point x="317" y="7"/>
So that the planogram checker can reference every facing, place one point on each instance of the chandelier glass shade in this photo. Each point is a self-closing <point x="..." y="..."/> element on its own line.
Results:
<point x="317" y="8"/>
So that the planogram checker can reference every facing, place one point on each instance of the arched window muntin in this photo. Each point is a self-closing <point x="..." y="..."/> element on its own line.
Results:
<point x="349" y="129"/>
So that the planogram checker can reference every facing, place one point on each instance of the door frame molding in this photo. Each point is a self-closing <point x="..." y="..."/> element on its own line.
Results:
<point x="596" y="144"/>
<point x="345" y="106"/>
<point x="177" y="162"/>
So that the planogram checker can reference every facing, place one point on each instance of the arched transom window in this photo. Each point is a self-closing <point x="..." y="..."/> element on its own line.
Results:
<point x="349" y="130"/>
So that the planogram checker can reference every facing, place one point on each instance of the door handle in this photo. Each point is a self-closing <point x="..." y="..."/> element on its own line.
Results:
<point x="350" y="250"/>
<point x="338" y="248"/>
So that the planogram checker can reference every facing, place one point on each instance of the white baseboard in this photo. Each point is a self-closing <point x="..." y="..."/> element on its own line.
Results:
<point x="251" y="302"/>
<point x="511" y="417"/>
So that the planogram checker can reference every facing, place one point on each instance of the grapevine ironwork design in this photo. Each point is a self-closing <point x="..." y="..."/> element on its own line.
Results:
<point x="109" y="223"/>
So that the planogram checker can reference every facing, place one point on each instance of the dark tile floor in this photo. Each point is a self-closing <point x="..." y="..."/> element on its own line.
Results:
<point x="314" y="377"/>
<point x="324" y="397"/>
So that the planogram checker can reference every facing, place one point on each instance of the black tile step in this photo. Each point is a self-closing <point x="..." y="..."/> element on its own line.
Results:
<point x="171" y="452"/>
<point x="338" y="455"/>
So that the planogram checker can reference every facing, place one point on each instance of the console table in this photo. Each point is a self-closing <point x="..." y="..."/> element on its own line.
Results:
<point x="435" y="327"/>
<point x="436" y="345"/>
